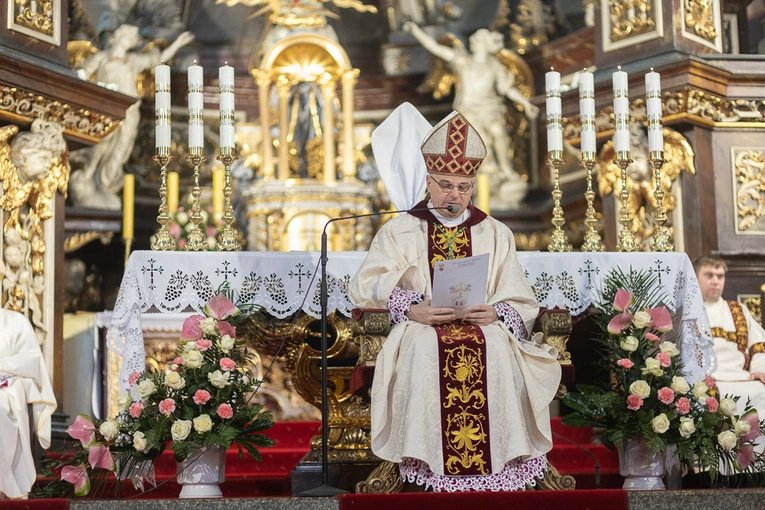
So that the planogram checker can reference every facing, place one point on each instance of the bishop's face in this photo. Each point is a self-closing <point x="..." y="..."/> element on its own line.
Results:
<point x="446" y="190"/>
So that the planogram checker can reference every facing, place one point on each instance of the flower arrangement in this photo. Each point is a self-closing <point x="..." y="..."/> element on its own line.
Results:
<point x="211" y="225"/>
<point x="648" y="399"/>
<point x="202" y="401"/>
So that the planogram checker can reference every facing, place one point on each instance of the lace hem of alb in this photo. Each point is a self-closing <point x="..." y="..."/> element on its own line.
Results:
<point x="516" y="475"/>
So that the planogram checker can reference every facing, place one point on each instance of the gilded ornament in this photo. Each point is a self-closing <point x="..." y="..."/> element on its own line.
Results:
<point x="749" y="173"/>
<point x="700" y="18"/>
<point x="37" y="15"/>
<point x="630" y="18"/>
<point x="79" y="239"/>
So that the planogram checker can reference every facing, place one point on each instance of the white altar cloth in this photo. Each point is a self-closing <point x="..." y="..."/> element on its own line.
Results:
<point x="283" y="283"/>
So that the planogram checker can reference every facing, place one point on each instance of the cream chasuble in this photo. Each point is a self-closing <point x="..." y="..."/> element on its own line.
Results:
<point x="23" y="380"/>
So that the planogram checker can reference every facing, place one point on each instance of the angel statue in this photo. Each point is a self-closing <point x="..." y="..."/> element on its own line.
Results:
<point x="641" y="181"/>
<point x="482" y="83"/>
<point x="118" y="65"/>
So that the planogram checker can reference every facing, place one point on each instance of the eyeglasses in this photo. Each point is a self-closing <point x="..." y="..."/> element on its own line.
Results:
<point x="447" y="187"/>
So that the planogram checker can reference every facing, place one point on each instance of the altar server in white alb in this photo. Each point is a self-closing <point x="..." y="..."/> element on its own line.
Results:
<point x="739" y="339"/>
<point x="459" y="404"/>
<point x="23" y="381"/>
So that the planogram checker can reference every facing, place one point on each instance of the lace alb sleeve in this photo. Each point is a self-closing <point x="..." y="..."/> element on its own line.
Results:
<point x="399" y="302"/>
<point x="512" y="320"/>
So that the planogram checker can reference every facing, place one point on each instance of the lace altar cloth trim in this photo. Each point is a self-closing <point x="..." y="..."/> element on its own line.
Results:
<point x="283" y="283"/>
<point x="516" y="475"/>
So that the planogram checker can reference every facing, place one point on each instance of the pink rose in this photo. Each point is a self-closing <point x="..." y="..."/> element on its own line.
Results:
<point x="666" y="395"/>
<point x="133" y="378"/>
<point x="634" y="402"/>
<point x="178" y="360"/>
<point x="225" y="411"/>
<point x="650" y="336"/>
<point x="664" y="359"/>
<point x="625" y="363"/>
<point x="201" y="397"/>
<point x="167" y="406"/>
<point x="211" y="231"/>
<point x="203" y="345"/>
<point x="227" y="364"/>
<point x="181" y="243"/>
<point x="712" y="404"/>
<point x="683" y="405"/>
<point x="135" y="409"/>
<point x="709" y="381"/>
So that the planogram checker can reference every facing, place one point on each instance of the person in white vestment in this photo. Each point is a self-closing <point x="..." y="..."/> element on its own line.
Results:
<point x="739" y="341"/>
<point x="23" y="380"/>
<point x="459" y="404"/>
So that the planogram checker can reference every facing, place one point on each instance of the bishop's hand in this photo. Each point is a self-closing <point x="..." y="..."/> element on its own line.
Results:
<point x="757" y="376"/>
<point x="425" y="314"/>
<point x="481" y="315"/>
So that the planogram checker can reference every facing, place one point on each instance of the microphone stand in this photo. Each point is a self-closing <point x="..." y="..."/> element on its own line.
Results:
<point x="325" y="489"/>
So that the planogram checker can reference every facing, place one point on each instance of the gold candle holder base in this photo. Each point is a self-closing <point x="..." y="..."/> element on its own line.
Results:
<point x="229" y="240"/>
<point x="626" y="236"/>
<point x="163" y="240"/>
<point x="558" y="240"/>
<point x="196" y="240"/>
<point x="592" y="240"/>
<point x="662" y="240"/>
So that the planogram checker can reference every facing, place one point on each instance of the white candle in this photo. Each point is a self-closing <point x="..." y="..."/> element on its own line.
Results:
<point x="587" y="111"/>
<point x="227" y="129"/>
<point x="162" y="106"/>
<point x="654" y="111"/>
<point x="196" y="107"/>
<point x="621" y="111"/>
<point x="553" y="106"/>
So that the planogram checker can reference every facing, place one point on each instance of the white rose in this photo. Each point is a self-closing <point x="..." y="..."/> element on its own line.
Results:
<point x="687" y="428"/>
<point x="700" y="390"/>
<point x="669" y="348"/>
<point x="208" y="326"/>
<point x="202" y="423"/>
<point x="660" y="424"/>
<point x="679" y="385"/>
<point x="139" y="442"/>
<point x="653" y="367"/>
<point x="727" y="440"/>
<point x="641" y="319"/>
<point x="180" y="429"/>
<point x="742" y="428"/>
<point x="640" y="388"/>
<point x="728" y="406"/>
<point x="629" y="344"/>
<point x="175" y="381"/>
<point x="219" y="379"/>
<point x="124" y="401"/>
<point x="146" y="388"/>
<point x="193" y="358"/>
<point x="226" y="343"/>
<point x="181" y="217"/>
<point x="110" y="429"/>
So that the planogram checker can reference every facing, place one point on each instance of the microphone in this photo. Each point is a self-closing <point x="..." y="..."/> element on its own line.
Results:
<point x="452" y="208"/>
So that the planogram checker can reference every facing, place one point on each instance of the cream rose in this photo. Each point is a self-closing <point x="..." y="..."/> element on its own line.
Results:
<point x="202" y="423"/>
<point x="687" y="428"/>
<point x="727" y="440"/>
<point x="208" y="326"/>
<point x="193" y="358"/>
<point x="728" y="406"/>
<point x="679" y="385"/>
<point x="180" y="429"/>
<point x="660" y="424"/>
<point x="653" y="367"/>
<point x="219" y="379"/>
<point x="669" y="348"/>
<point x="641" y="319"/>
<point x="124" y="401"/>
<point x="146" y="388"/>
<point x="700" y="390"/>
<point x="742" y="428"/>
<point x="226" y="343"/>
<point x="110" y="429"/>
<point x="139" y="442"/>
<point x="640" y="388"/>
<point x="629" y="344"/>
<point x="175" y="381"/>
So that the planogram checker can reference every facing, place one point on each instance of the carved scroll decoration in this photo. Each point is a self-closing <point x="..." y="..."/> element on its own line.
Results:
<point x="40" y="19"/>
<point x="630" y="18"/>
<point x="749" y="188"/>
<point x="700" y="19"/>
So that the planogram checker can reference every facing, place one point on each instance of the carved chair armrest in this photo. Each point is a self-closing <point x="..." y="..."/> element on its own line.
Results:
<point x="555" y="326"/>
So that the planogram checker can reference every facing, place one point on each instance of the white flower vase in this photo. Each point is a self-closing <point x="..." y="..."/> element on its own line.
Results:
<point x="641" y="469"/>
<point x="201" y="474"/>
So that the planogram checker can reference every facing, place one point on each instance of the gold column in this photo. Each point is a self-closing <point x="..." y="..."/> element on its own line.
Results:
<point x="283" y="89"/>
<point x="349" y="82"/>
<point x="327" y="85"/>
<point x="264" y="83"/>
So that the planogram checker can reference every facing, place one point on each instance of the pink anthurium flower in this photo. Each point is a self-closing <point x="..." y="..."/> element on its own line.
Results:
<point x="77" y="476"/>
<point x="661" y="319"/>
<point x="623" y="300"/>
<point x="82" y="429"/>
<point x="224" y="328"/>
<point x="754" y="422"/>
<point x="745" y="456"/>
<point x="191" y="329"/>
<point x="99" y="456"/>
<point x="619" y="323"/>
<point x="221" y="307"/>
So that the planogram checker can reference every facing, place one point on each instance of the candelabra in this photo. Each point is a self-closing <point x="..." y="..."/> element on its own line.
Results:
<point x="229" y="240"/>
<point x="626" y="237"/>
<point x="558" y="240"/>
<point x="661" y="238"/>
<point x="592" y="239"/>
<point x="163" y="240"/>
<point x="196" y="239"/>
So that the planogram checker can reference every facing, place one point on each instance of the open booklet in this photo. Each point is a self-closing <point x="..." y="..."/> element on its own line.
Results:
<point x="460" y="283"/>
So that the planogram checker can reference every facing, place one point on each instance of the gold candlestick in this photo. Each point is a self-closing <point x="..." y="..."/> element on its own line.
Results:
<point x="661" y="238"/>
<point x="558" y="240"/>
<point x="626" y="237"/>
<point x="163" y="240"/>
<point x="196" y="239"/>
<point x="592" y="239"/>
<point x="229" y="240"/>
